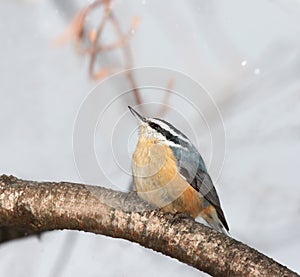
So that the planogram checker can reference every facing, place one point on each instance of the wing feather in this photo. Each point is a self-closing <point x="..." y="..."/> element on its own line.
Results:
<point x="203" y="183"/>
<point x="193" y="169"/>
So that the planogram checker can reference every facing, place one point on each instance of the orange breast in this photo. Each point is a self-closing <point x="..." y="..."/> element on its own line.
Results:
<point x="157" y="180"/>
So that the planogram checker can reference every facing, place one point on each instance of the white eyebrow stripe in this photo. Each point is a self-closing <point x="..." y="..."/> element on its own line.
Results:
<point x="173" y="144"/>
<point x="167" y="127"/>
<point x="162" y="138"/>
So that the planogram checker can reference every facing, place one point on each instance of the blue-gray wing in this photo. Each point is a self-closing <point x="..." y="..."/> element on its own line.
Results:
<point x="192" y="167"/>
<point x="203" y="183"/>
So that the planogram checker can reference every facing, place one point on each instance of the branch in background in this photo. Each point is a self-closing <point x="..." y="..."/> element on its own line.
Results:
<point x="88" y="41"/>
<point x="164" y="108"/>
<point x="43" y="206"/>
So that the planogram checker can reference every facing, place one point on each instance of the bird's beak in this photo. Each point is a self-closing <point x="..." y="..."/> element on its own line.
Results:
<point x="137" y="115"/>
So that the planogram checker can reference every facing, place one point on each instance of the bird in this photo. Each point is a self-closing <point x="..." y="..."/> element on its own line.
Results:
<point x="169" y="173"/>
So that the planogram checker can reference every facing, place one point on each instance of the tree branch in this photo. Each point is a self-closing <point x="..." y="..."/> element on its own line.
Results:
<point x="43" y="206"/>
<point x="8" y="233"/>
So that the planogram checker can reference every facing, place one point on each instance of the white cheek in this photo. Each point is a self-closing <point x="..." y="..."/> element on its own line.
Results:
<point x="150" y="133"/>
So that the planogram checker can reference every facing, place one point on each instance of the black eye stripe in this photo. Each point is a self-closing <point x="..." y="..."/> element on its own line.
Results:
<point x="172" y="127"/>
<point x="164" y="132"/>
<point x="167" y="134"/>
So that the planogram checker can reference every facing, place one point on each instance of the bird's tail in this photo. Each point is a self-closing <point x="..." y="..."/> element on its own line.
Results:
<point x="210" y="215"/>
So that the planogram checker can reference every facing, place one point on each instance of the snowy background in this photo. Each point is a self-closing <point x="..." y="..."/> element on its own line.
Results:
<point x="246" y="54"/>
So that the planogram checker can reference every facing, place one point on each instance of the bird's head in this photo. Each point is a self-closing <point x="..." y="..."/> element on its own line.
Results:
<point x="159" y="130"/>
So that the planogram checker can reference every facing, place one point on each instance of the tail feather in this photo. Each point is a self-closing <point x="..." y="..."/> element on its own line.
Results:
<point x="210" y="215"/>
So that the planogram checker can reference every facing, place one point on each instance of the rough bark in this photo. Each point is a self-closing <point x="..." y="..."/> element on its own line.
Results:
<point x="44" y="206"/>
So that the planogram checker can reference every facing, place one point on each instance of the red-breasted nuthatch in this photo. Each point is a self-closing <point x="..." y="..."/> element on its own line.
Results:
<point x="169" y="172"/>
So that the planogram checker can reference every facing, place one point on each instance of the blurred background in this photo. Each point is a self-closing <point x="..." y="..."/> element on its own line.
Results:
<point x="243" y="115"/>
